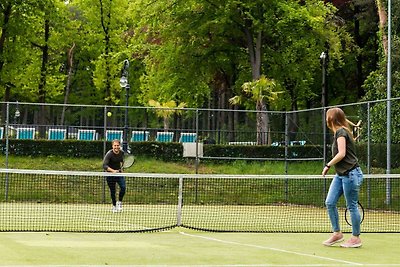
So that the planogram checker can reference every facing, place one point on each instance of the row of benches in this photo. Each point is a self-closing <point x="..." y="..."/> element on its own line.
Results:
<point x="89" y="135"/>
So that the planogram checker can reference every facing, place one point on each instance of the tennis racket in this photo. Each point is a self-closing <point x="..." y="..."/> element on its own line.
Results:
<point x="129" y="160"/>
<point x="347" y="214"/>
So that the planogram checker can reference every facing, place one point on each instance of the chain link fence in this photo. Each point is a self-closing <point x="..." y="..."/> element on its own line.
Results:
<point x="206" y="126"/>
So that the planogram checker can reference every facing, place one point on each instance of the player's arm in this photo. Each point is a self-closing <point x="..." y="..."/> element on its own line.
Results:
<point x="341" y="142"/>
<point x="109" y="169"/>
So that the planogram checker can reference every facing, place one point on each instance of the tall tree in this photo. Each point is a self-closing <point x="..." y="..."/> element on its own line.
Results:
<point x="376" y="85"/>
<point x="107" y="21"/>
<point x="13" y="27"/>
<point x="282" y="40"/>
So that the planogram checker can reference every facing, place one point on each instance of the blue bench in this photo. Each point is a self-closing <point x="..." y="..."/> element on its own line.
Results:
<point x="114" y="134"/>
<point x="164" y="136"/>
<point x="57" y="134"/>
<point x="26" y="133"/>
<point x="140" y="136"/>
<point x="188" y="138"/>
<point x="87" y="135"/>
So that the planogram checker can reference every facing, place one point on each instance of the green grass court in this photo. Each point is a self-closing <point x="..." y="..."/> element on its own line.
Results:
<point x="183" y="247"/>
<point x="46" y="245"/>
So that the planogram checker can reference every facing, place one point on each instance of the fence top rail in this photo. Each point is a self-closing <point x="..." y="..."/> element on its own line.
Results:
<point x="201" y="109"/>
<point x="187" y="176"/>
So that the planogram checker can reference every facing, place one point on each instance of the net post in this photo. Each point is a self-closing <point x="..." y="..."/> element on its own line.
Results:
<point x="179" y="208"/>
<point x="7" y="148"/>
<point x="104" y="152"/>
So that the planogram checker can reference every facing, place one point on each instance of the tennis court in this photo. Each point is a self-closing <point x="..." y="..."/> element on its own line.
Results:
<point x="183" y="247"/>
<point x="57" y="218"/>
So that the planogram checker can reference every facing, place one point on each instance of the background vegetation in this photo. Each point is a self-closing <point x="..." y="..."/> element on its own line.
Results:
<point x="155" y="157"/>
<point x="198" y="52"/>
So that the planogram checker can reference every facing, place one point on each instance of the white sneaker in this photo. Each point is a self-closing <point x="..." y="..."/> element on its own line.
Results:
<point x="114" y="209"/>
<point x="119" y="206"/>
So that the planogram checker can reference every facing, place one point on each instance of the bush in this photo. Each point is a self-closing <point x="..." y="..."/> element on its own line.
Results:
<point x="174" y="151"/>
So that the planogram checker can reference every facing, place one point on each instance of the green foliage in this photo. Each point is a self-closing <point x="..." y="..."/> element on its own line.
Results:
<point x="82" y="149"/>
<point x="376" y="88"/>
<point x="262" y="89"/>
<point x="378" y="155"/>
<point x="71" y="148"/>
<point x="100" y="76"/>
<point x="173" y="152"/>
<point x="153" y="157"/>
<point x="191" y="51"/>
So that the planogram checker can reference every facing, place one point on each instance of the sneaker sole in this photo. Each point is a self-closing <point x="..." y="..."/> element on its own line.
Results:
<point x="332" y="243"/>
<point x="352" y="246"/>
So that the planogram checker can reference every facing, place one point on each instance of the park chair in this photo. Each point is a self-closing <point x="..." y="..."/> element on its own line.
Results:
<point x="114" y="134"/>
<point x="87" y="135"/>
<point x="164" y="136"/>
<point x="188" y="138"/>
<point x="26" y="133"/>
<point x="57" y="134"/>
<point x="140" y="136"/>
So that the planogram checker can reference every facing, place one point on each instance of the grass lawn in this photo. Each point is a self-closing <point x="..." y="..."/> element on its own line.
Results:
<point x="151" y="165"/>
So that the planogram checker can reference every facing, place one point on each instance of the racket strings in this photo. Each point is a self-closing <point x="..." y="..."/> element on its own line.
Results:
<point x="128" y="161"/>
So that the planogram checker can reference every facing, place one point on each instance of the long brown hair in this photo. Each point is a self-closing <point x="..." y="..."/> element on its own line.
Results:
<point x="335" y="118"/>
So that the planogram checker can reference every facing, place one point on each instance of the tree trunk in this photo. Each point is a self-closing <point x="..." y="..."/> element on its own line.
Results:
<point x="263" y="125"/>
<point x="3" y="36"/>
<point x="382" y="23"/>
<point x="166" y="124"/>
<point x="4" y="32"/>
<point x="68" y="85"/>
<point x="106" y="29"/>
<point x="43" y="77"/>
<point x="357" y="37"/>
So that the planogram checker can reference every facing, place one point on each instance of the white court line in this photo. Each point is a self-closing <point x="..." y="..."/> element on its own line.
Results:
<point x="273" y="249"/>
<point x="221" y="265"/>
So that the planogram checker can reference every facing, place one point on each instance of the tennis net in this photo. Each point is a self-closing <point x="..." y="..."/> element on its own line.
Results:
<point x="66" y="201"/>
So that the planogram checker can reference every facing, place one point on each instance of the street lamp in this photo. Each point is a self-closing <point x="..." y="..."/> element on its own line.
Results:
<point x="124" y="83"/>
<point x="17" y="114"/>
<point x="324" y="58"/>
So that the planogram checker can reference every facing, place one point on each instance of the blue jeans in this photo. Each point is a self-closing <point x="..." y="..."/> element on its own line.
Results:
<point x="112" y="181"/>
<point x="349" y="186"/>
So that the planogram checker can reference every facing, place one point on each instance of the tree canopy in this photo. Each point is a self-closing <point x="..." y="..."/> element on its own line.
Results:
<point x="193" y="51"/>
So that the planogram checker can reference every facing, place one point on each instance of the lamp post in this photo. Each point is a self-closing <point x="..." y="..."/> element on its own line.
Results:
<point x="17" y="114"/>
<point x="324" y="58"/>
<point x="389" y="104"/>
<point x="124" y="83"/>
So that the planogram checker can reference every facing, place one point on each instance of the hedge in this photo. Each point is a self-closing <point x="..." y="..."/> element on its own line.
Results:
<point x="174" y="151"/>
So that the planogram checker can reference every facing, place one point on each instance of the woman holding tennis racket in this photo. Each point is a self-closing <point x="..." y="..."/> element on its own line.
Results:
<point x="112" y="162"/>
<point x="347" y="180"/>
